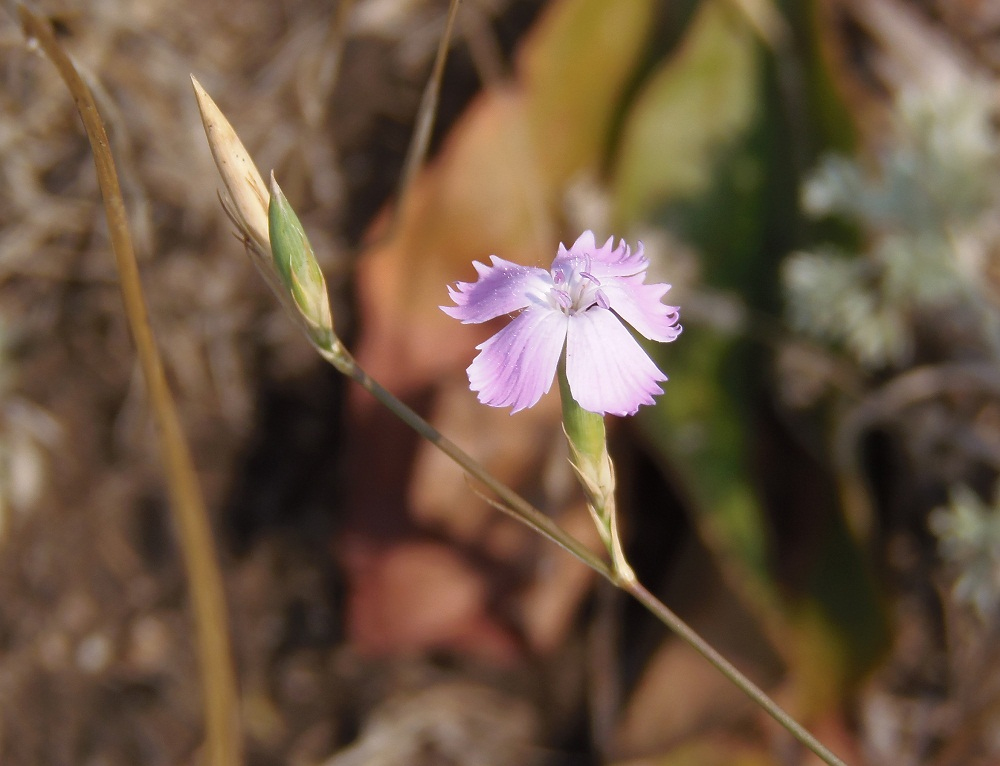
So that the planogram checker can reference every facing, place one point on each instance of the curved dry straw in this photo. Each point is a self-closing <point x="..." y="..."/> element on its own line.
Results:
<point x="222" y="724"/>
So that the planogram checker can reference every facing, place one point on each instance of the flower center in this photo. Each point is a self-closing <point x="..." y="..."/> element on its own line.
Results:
<point x="575" y="289"/>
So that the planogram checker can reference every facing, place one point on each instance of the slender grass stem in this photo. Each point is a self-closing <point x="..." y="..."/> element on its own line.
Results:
<point x="222" y="723"/>
<point x="426" y="115"/>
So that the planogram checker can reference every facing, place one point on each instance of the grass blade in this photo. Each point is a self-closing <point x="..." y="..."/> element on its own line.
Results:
<point x="222" y="721"/>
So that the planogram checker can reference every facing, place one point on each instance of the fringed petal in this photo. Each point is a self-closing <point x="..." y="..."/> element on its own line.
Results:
<point x="502" y="288"/>
<point x="516" y="366"/>
<point x="608" y="371"/>
<point x="642" y="307"/>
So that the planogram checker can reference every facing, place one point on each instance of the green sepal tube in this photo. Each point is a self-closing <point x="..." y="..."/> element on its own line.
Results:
<point x="295" y="262"/>
<point x="584" y="429"/>
<point x="588" y="447"/>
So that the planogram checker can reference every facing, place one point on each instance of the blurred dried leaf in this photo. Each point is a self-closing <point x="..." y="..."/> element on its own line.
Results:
<point x="477" y="199"/>
<point x="496" y="188"/>
<point x="420" y="596"/>
<point x="708" y="751"/>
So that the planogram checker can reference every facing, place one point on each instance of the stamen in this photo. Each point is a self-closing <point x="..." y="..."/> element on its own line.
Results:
<point x="563" y="299"/>
<point x="591" y="277"/>
<point x="602" y="299"/>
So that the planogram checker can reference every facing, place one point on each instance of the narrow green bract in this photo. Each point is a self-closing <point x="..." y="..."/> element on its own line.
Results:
<point x="296" y="265"/>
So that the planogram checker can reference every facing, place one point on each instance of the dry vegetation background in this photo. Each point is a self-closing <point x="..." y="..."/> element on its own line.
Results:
<point x="382" y="613"/>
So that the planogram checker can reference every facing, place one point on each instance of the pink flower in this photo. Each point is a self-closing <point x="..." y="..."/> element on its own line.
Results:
<point x="579" y="304"/>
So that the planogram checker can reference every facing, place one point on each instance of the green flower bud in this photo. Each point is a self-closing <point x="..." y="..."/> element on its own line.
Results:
<point x="297" y="268"/>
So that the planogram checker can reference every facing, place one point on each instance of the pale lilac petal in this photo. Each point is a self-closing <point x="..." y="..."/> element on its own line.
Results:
<point x="581" y="304"/>
<point x="568" y="260"/>
<point x="584" y="243"/>
<point x="502" y="288"/>
<point x="619" y="262"/>
<point x="516" y="366"/>
<point x="602" y="262"/>
<point x="606" y="253"/>
<point x="576" y="257"/>
<point x="608" y="371"/>
<point x="642" y="307"/>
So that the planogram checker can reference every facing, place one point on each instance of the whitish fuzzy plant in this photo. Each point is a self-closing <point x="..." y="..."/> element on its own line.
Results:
<point x="968" y="532"/>
<point x="926" y="207"/>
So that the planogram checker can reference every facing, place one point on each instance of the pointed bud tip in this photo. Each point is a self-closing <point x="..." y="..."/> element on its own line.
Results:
<point x="240" y="176"/>
<point x="276" y="192"/>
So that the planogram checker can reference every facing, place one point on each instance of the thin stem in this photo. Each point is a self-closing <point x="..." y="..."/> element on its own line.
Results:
<point x="588" y="443"/>
<point x="724" y="666"/>
<point x="222" y="724"/>
<point x="513" y="503"/>
<point x="528" y="514"/>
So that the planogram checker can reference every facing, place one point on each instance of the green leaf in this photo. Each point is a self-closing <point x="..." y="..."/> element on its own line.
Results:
<point x="688" y="112"/>
<point x="705" y="153"/>
<point x="686" y="160"/>
<point x="575" y="68"/>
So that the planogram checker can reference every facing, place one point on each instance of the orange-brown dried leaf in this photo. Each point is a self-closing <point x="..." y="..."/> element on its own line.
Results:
<point x="417" y="596"/>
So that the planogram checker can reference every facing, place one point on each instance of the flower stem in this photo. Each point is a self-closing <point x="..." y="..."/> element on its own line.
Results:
<point x="426" y="114"/>
<point x="696" y="642"/>
<point x="589" y="456"/>
<point x="513" y="503"/>
<point x="522" y="510"/>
